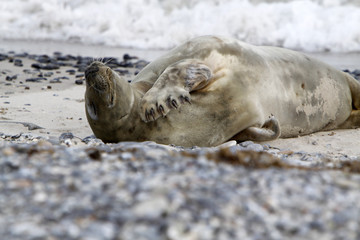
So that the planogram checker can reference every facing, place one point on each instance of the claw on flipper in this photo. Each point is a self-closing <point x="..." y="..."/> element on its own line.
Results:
<point x="174" y="103"/>
<point x="147" y="116"/>
<point x="161" y="110"/>
<point x="152" y="113"/>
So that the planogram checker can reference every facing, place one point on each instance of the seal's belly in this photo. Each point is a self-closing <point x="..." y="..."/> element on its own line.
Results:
<point x="302" y="110"/>
<point x="211" y="119"/>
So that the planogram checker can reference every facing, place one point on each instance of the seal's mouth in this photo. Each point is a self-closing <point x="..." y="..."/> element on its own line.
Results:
<point x="100" y="78"/>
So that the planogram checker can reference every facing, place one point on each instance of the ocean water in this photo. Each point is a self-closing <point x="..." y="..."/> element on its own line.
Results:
<point x="313" y="26"/>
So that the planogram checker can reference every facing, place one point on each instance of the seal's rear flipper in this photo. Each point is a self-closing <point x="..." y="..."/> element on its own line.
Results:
<point x="353" y="121"/>
<point x="269" y="131"/>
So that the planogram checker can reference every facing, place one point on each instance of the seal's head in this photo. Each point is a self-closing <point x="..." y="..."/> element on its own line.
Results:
<point x="108" y="98"/>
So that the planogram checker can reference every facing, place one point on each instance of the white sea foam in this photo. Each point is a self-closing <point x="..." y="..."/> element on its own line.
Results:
<point x="321" y="25"/>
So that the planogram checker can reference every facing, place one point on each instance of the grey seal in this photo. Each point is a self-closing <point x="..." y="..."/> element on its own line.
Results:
<point x="212" y="89"/>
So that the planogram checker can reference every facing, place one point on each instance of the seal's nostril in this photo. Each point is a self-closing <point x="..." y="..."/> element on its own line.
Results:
<point x="91" y="70"/>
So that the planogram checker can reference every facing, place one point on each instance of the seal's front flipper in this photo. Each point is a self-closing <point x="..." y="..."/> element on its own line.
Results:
<point x="269" y="131"/>
<point x="173" y="88"/>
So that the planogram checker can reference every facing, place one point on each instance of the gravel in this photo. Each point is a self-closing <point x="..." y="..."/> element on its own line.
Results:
<point x="54" y="189"/>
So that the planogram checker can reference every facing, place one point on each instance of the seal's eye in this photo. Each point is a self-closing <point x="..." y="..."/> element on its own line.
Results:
<point x="91" y="109"/>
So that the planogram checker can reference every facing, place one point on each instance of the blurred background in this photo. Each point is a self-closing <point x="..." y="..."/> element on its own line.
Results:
<point x="311" y="26"/>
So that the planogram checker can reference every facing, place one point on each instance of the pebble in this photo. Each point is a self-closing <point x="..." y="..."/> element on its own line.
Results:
<point x="79" y="81"/>
<point x="141" y="64"/>
<point x="355" y="73"/>
<point x="11" y="78"/>
<point x="18" y="63"/>
<point x="80" y="75"/>
<point x="3" y="57"/>
<point x="48" y="66"/>
<point x="127" y="57"/>
<point x="37" y="79"/>
<point x="71" y="71"/>
<point x="122" y="72"/>
<point x="21" y="55"/>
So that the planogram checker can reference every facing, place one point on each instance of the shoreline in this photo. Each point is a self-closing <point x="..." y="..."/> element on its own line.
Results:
<point x="342" y="61"/>
<point x="76" y="49"/>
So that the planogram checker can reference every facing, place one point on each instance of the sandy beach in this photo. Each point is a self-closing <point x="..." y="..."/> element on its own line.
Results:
<point x="58" y="182"/>
<point x="59" y="107"/>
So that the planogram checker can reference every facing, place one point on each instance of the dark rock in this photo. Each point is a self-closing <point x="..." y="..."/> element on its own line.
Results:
<point x="43" y="59"/>
<point x="141" y="64"/>
<point x="49" y="66"/>
<point x="81" y="67"/>
<point x="29" y="71"/>
<point x="55" y="80"/>
<point x="64" y="64"/>
<point x="48" y="74"/>
<point x="58" y="79"/>
<point x="3" y="57"/>
<point x="110" y="60"/>
<point x="84" y="60"/>
<point x="71" y="71"/>
<point x="356" y="72"/>
<point x="71" y="57"/>
<point x="127" y="57"/>
<point x="10" y="78"/>
<point x="32" y="56"/>
<point x="18" y="63"/>
<point x="67" y="135"/>
<point x="125" y="64"/>
<point x="31" y="126"/>
<point x="122" y="72"/>
<point x="62" y="58"/>
<point x="21" y="55"/>
<point x="79" y="82"/>
<point x="38" y="79"/>
<point x="94" y="153"/>
<point x="80" y="75"/>
<point x="88" y="138"/>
